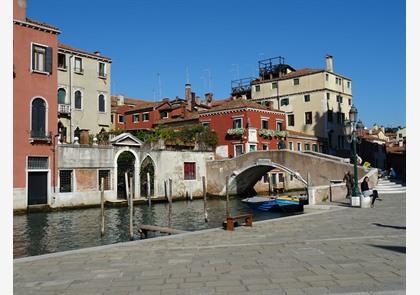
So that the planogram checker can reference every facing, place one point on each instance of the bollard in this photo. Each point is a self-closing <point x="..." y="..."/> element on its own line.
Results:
<point x="148" y="189"/>
<point x="102" y="208"/>
<point x="205" y="199"/>
<point x="270" y="183"/>
<point x="165" y="190"/>
<point x="131" y="209"/>
<point x="126" y="187"/>
<point x="170" y="191"/>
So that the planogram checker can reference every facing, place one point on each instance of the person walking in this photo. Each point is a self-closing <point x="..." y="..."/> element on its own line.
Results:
<point x="348" y="179"/>
<point x="367" y="192"/>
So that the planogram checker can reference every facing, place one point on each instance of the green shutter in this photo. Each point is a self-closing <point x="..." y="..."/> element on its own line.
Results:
<point x="48" y="60"/>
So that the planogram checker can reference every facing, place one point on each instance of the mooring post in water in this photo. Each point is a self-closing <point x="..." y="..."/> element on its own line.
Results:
<point x="270" y="183"/>
<point x="165" y="190"/>
<point x="127" y="192"/>
<point x="227" y="197"/>
<point x="205" y="199"/>
<point x="170" y="191"/>
<point x="148" y="189"/>
<point x="131" y="208"/>
<point x="102" y="208"/>
<point x="191" y="195"/>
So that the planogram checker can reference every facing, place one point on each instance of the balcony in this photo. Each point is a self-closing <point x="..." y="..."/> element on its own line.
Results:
<point x="64" y="109"/>
<point x="40" y="136"/>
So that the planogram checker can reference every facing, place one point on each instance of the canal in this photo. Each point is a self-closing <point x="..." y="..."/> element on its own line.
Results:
<point x="41" y="233"/>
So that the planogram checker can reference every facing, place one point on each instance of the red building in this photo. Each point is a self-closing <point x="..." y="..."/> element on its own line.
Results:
<point x="243" y="126"/>
<point x="34" y="108"/>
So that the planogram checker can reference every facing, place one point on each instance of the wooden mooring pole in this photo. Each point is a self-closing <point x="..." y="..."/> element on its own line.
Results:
<point x="205" y="199"/>
<point x="102" y="208"/>
<point x="131" y="208"/>
<point x="227" y="197"/>
<point x="148" y="189"/>
<point x="170" y="191"/>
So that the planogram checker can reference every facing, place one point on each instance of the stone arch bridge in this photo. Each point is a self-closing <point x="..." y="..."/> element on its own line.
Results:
<point x="246" y="170"/>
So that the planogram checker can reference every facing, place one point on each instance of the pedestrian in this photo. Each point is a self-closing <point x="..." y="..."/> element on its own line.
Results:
<point x="348" y="179"/>
<point x="367" y="192"/>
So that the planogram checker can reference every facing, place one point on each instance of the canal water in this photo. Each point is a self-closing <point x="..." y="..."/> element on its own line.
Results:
<point x="41" y="233"/>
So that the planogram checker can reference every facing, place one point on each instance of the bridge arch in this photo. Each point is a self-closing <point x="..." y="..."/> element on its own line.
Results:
<point x="244" y="179"/>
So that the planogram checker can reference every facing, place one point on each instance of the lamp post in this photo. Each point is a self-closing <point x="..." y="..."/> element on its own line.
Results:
<point x="351" y="129"/>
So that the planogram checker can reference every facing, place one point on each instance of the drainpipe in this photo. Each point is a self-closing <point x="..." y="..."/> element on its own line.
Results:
<point x="70" y="96"/>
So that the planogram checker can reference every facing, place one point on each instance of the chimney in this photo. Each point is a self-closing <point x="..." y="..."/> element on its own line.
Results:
<point x="329" y="62"/>
<point x="192" y="104"/>
<point x="270" y="104"/>
<point x="19" y="9"/>
<point x="120" y="100"/>
<point x="208" y="98"/>
<point x="187" y="92"/>
<point x="97" y="53"/>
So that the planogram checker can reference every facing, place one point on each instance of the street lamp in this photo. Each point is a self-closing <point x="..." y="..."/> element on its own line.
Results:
<point x="352" y="129"/>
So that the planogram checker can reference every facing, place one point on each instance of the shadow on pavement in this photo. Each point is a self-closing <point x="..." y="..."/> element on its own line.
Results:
<point x="390" y="226"/>
<point x="399" y="249"/>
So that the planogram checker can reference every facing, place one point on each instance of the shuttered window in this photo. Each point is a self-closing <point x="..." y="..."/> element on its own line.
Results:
<point x="61" y="96"/>
<point x="189" y="170"/>
<point x="41" y="58"/>
<point x="38" y="117"/>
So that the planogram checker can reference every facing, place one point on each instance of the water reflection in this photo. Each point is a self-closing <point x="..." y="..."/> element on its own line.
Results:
<point x="40" y="233"/>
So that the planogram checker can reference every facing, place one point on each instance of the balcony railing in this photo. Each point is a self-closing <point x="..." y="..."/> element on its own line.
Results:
<point x="40" y="135"/>
<point x="64" y="108"/>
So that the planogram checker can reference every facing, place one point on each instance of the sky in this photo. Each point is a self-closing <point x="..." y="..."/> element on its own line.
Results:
<point x="157" y="46"/>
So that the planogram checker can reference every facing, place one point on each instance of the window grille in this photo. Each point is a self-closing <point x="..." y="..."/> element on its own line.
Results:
<point x="189" y="171"/>
<point x="37" y="163"/>
<point x="105" y="174"/>
<point x="66" y="181"/>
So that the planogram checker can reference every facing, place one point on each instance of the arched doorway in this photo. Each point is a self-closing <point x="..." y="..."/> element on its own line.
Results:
<point x="125" y="163"/>
<point x="147" y="166"/>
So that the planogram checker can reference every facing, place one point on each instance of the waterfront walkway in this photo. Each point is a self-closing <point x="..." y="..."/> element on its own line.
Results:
<point x="335" y="251"/>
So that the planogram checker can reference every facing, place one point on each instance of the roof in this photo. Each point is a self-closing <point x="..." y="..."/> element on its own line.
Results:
<point x="38" y="23"/>
<point x="127" y="100"/>
<point x="147" y="105"/>
<point x="121" y="109"/>
<point x="295" y="74"/>
<point x="239" y="104"/>
<point x="297" y="133"/>
<point x="83" y="52"/>
<point x="188" y="116"/>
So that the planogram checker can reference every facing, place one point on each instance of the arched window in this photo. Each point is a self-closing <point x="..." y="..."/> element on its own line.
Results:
<point x="78" y="100"/>
<point x="101" y="102"/>
<point x="38" y="115"/>
<point x="61" y="96"/>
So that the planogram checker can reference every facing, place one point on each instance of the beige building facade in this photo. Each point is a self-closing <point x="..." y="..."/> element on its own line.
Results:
<point x="83" y="93"/>
<point x="316" y="101"/>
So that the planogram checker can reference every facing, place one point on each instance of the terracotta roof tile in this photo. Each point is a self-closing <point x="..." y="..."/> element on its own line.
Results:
<point x="67" y="47"/>
<point x="38" y="23"/>
<point x="295" y="74"/>
<point x="238" y="104"/>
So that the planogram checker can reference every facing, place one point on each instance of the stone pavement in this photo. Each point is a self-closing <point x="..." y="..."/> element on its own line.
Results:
<point x="335" y="251"/>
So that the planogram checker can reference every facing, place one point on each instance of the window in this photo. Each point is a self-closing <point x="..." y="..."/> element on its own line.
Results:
<point x="291" y="120"/>
<point x="252" y="147"/>
<point x="307" y="97"/>
<point x="328" y="96"/>
<point x="339" y="81"/>
<point x="237" y="123"/>
<point x="101" y="70"/>
<point x="66" y="181"/>
<point x="164" y="114"/>
<point x="78" y="100"/>
<point x="307" y="147"/>
<point x="145" y="117"/>
<point x="336" y="80"/>
<point x="37" y="163"/>
<point x="284" y="101"/>
<point x="264" y="124"/>
<point x="274" y="85"/>
<point x="291" y="146"/>
<point x="326" y="77"/>
<point x="265" y="147"/>
<point x="330" y="115"/>
<point x="257" y="88"/>
<point x="112" y="118"/>
<point x="189" y="170"/>
<point x="279" y="125"/>
<point x="62" y="61"/>
<point x="121" y="119"/>
<point x="299" y="147"/>
<point x="61" y="96"/>
<point x="349" y="102"/>
<point x="78" y="66"/>
<point x="339" y="99"/>
<point x="239" y="150"/>
<point x="340" y="118"/>
<point x="136" y="118"/>
<point x="308" y="118"/>
<point x="38" y="116"/>
<point x="101" y="103"/>
<point x="41" y="59"/>
<point x="205" y="124"/>
<point x="315" y="147"/>
<point x="348" y="84"/>
<point x="105" y="174"/>
<point x="295" y="81"/>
